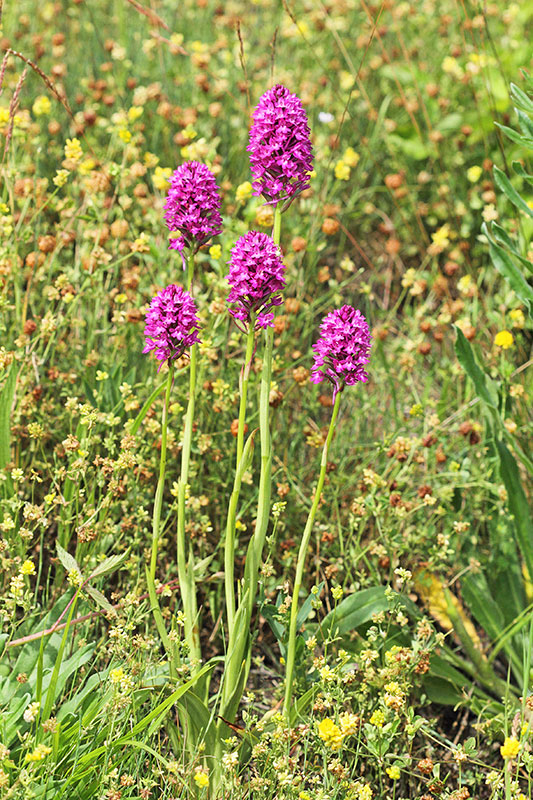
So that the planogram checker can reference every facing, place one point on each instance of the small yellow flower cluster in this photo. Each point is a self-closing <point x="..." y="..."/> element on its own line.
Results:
<point x="377" y="718"/>
<point x="504" y="339"/>
<point x="73" y="150"/>
<point x="330" y="733"/>
<point x="343" y="166"/>
<point x="160" y="178"/>
<point x="27" y="568"/>
<point x="41" y="106"/>
<point x="243" y="191"/>
<point x="201" y="778"/>
<point x="40" y="752"/>
<point x="474" y="174"/>
<point x="510" y="748"/>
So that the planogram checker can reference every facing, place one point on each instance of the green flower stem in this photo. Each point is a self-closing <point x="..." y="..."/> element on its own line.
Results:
<point x="161" y="482"/>
<point x="158" y="502"/>
<point x="238" y="641"/>
<point x="229" y="546"/>
<point x="300" y="564"/>
<point x="185" y="562"/>
<point x="265" y="479"/>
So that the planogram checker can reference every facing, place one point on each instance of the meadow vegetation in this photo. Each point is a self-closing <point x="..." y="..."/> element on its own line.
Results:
<point x="220" y="578"/>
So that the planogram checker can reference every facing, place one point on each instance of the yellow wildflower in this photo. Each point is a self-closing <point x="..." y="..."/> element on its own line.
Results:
<point x="73" y="150"/>
<point x="151" y="160"/>
<point x="330" y="734"/>
<point x="393" y="773"/>
<point x="244" y="191"/>
<point x="201" y="779"/>
<point x="60" y="177"/>
<point x="160" y="178"/>
<point x="125" y="135"/>
<point x="40" y="752"/>
<point x="518" y="318"/>
<point x="510" y="747"/>
<point x="215" y="251"/>
<point x="27" y="568"/>
<point x="474" y="174"/>
<point x="349" y="723"/>
<point x="504" y="339"/>
<point x="342" y="171"/>
<point x="350" y="157"/>
<point x="377" y="718"/>
<point x="264" y="216"/>
<point x="441" y="236"/>
<point x="41" y="106"/>
<point x="4" y="115"/>
<point x="135" y="112"/>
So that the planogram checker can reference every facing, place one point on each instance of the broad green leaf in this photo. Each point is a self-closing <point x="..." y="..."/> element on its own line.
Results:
<point x="518" y="504"/>
<point x="98" y="597"/>
<point x="146" y="407"/>
<point x="6" y="401"/>
<point x="482" y="383"/>
<point x="519" y="169"/>
<point x="516" y="137"/>
<point x="521" y="99"/>
<point x="358" y="609"/>
<point x="503" y="183"/>
<point x="525" y="123"/>
<point x="508" y="270"/>
<point x="109" y="564"/>
<point x="68" y="561"/>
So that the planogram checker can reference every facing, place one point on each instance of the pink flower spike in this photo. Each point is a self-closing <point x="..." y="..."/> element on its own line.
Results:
<point x="281" y="154"/>
<point x="255" y="277"/>
<point x="343" y="349"/>
<point x="171" y="324"/>
<point x="192" y="206"/>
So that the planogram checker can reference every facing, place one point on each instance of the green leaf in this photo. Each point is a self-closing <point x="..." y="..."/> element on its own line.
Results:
<point x="146" y="407"/>
<point x="98" y="597"/>
<point x="525" y="123"/>
<point x="503" y="183"/>
<point x="518" y="504"/>
<point x="519" y="169"/>
<point x="68" y="561"/>
<point x="358" y="609"/>
<point x="465" y="356"/>
<point x="521" y="99"/>
<point x="516" y="137"/>
<point x="508" y="270"/>
<point x="109" y="564"/>
<point x="6" y="401"/>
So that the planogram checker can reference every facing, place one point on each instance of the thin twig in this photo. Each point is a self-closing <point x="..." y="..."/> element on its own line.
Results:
<point x="154" y="18"/>
<point x="57" y="626"/>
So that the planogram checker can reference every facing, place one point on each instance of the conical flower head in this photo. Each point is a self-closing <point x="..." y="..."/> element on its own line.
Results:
<point x="343" y="348"/>
<point x="171" y="324"/>
<point x="192" y="207"/>
<point x="281" y="155"/>
<point x="256" y="275"/>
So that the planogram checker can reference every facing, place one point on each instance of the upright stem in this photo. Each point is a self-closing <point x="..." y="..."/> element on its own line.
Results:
<point x="185" y="561"/>
<point x="161" y="482"/>
<point x="229" y="546"/>
<point x="239" y="638"/>
<point x="304" y="544"/>
<point x="265" y="479"/>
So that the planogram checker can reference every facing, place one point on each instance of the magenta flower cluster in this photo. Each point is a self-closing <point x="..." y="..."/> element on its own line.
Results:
<point x="281" y="155"/>
<point x="343" y="349"/>
<point x="171" y="324"/>
<point x="192" y="206"/>
<point x="256" y="275"/>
